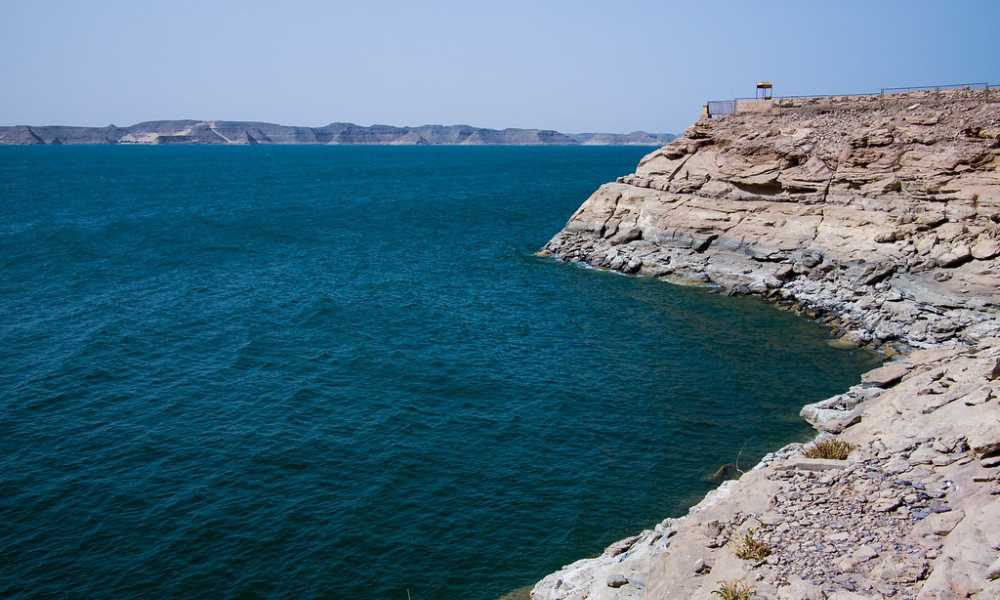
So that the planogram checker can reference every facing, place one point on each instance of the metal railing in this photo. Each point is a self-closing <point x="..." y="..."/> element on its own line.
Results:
<point x="936" y="88"/>
<point x="721" y="108"/>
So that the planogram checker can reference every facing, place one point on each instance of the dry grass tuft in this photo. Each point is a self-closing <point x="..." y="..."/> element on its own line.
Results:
<point x="750" y="548"/>
<point x="734" y="590"/>
<point x="829" y="448"/>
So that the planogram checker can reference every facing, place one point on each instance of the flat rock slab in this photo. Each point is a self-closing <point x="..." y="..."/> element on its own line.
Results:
<point x="811" y="464"/>
<point x="886" y="376"/>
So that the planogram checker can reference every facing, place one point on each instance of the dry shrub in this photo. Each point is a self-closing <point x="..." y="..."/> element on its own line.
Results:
<point x="829" y="448"/>
<point x="734" y="590"/>
<point x="751" y="548"/>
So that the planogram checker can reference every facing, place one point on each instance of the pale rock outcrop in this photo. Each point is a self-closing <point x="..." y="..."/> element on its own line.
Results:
<point x="881" y="217"/>
<point x="869" y="211"/>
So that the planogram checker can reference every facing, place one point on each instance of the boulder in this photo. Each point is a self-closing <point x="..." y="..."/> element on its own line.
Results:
<point x="993" y="572"/>
<point x="994" y="373"/>
<point x="621" y="546"/>
<point x="984" y="438"/>
<point x="942" y="523"/>
<point x="828" y="419"/>
<point x="985" y="249"/>
<point x="955" y="257"/>
<point x="900" y="569"/>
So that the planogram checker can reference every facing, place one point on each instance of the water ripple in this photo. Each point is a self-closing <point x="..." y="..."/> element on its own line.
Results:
<point x="340" y="372"/>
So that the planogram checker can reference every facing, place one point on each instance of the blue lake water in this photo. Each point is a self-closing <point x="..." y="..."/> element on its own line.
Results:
<point x="340" y="372"/>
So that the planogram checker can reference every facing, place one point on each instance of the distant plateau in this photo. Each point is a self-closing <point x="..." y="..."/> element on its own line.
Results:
<point x="251" y="132"/>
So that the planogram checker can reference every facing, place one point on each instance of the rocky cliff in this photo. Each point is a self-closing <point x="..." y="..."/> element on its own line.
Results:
<point x="249" y="132"/>
<point x="881" y="217"/>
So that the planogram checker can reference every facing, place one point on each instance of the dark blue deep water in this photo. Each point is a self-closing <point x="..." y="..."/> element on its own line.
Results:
<point x="340" y="372"/>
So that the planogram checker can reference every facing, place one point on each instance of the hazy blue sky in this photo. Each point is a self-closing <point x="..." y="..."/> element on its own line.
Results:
<point x="572" y="66"/>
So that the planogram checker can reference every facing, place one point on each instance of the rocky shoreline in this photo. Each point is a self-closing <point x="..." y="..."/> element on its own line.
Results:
<point x="879" y="216"/>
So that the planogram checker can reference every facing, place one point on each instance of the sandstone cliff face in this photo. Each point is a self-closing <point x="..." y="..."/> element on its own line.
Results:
<point x="880" y="216"/>
<point x="881" y="212"/>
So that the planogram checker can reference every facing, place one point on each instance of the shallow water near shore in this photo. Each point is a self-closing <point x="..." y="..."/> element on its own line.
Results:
<point x="341" y="372"/>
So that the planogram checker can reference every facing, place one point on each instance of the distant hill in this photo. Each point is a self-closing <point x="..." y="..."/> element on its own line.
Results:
<point x="251" y="132"/>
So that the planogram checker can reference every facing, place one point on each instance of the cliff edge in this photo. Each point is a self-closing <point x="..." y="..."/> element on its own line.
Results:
<point x="879" y="215"/>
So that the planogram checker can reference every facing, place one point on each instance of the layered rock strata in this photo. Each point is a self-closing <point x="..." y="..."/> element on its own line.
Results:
<point x="881" y="217"/>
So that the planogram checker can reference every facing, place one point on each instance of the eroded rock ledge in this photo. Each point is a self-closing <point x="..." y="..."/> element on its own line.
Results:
<point x="881" y="217"/>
